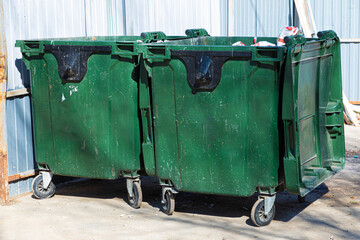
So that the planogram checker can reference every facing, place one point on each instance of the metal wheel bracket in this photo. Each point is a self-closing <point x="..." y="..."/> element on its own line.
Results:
<point x="268" y="203"/>
<point x="129" y="185"/>
<point x="164" y="190"/>
<point x="47" y="176"/>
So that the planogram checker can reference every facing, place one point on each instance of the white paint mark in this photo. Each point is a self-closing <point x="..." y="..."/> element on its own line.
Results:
<point x="73" y="89"/>
<point x="63" y="97"/>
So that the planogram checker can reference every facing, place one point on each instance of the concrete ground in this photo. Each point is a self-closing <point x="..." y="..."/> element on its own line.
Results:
<point x="95" y="209"/>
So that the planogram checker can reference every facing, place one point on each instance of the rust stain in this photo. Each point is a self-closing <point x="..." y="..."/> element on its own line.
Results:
<point x="4" y="185"/>
<point x="2" y="67"/>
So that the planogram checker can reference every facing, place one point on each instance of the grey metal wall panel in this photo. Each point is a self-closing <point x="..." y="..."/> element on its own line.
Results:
<point x="104" y="18"/>
<point x="174" y="17"/>
<point x="262" y="17"/>
<point x="20" y="148"/>
<point x="21" y="157"/>
<point x="350" y="70"/>
<point x="20" y="187"/>
<point x="344" y="18"/>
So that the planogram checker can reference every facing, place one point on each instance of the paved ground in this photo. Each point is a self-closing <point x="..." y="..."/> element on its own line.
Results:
<point x="97" y="210"/>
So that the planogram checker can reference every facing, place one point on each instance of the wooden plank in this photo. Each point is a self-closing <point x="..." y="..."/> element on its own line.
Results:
<point x="22" y="175"/>
<point x="355" y="102"/>
<point x="346" y="119"/>
<point x="311" y="16"/>
<point x="350" y="111"/>
<point x="18" y="92"/>
<point x="302" y="11"/>
<point x="356" y="108"/>
<point x="350" y="40"/>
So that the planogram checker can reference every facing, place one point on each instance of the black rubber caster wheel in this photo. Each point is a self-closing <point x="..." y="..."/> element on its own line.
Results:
<point x="38" y="189"/>
<point x="136" y="200"/>
<point x="168" y="203"/>
<point x="258" y="216"/>
<point x="301" y="199"/>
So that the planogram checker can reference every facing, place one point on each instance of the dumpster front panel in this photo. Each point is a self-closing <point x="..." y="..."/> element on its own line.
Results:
<point x="222" y="137"/>
<point x="85" y="105"/>
<point x="312" y="114"/>
<point x="228" y="138"/>
<point x="95" y="121"/>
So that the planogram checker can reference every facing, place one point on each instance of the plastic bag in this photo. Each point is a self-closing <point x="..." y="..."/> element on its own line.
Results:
<point x="262" y="43"/>
<point x="239" y="43"/>
<point x="287" y="31"/>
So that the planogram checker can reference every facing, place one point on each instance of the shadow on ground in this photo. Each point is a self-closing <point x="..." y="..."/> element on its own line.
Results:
<point x="287" y="206"/>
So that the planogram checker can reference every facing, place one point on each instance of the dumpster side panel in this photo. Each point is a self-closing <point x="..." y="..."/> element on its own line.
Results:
<point x="314" y="135"/>
<point x="42" y="127"/>
<point x="164" y="121"/>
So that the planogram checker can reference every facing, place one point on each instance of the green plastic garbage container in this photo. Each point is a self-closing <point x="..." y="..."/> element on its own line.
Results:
<point x="236" y="120"/>
<point x="85" y="108"/>
<point x="84" y="94"/>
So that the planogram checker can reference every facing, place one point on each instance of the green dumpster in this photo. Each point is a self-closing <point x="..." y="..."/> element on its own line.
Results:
<point x="85" y="109"/>
<point x="84" y="104"/>
<point x="239" y="120"/>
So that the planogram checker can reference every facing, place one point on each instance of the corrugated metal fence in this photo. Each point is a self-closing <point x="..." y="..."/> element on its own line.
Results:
<point x="344" y="18"/>
<point x="31" y="19"/>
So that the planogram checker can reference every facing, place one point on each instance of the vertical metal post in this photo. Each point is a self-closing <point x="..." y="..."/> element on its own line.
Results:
<point x="4" y="183"/>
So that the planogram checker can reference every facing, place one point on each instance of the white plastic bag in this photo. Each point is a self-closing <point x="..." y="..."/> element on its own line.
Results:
<point x="287" y="31"/>
<point x="239" y="43"/>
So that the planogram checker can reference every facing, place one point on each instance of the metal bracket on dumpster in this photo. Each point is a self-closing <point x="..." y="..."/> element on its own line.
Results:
<point x="268" y="203"/>
<point x="46" y="176"/>
<point x="72" y="60"/>
<point x="129" y="185"/>
<point x="204" y="67"/>
<point x="196" y="32"/>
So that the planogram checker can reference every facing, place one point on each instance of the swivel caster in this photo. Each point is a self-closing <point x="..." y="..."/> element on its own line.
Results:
<point x="168" y="200"/>
<point x="263" y="211"/>
<point x="42" y="186"/>
<point x="134" y="192"/>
